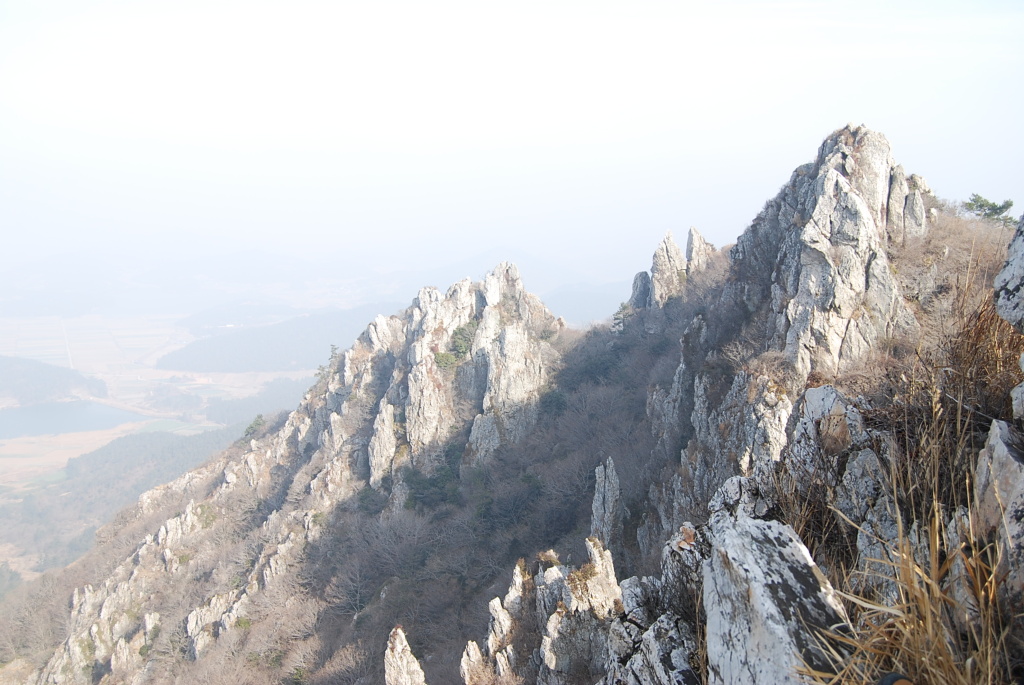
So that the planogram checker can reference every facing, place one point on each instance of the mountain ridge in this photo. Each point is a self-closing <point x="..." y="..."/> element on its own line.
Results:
<point x="477" y="402"/>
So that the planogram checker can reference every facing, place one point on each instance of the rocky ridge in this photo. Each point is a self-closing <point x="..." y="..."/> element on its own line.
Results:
<point x="470" y="361"/>
<point x="733" y="593"/>
<point x="812" y="271"/>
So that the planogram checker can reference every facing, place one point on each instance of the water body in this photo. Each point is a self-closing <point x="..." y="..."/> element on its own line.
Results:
<point x="53" y="418"/>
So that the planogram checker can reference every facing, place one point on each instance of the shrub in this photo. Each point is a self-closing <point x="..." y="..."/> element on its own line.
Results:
<point x="944" y="399"/>
<point x="553" y="403"/>
<point x="919" y="635"/>
<point x="371" y="502"/>
<point x="462" y="338"/>
<point x="445" y="360"/>
<point x="432" y="491"/>
<point x="256" y="426"/>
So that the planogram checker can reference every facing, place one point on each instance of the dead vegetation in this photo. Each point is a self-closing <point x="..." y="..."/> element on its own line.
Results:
<point x="933" y="607"/>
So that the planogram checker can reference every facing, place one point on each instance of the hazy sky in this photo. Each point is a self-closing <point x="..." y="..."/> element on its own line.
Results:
<point x="403" y="135"/>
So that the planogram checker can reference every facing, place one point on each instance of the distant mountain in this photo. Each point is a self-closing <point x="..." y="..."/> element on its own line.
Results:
<point x="32" y="382"/>
<point x="302" y="342"/>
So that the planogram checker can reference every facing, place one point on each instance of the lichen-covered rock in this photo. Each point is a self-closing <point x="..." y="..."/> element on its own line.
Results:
<point x="764" y="599"/>
<point x="663" y="655"/>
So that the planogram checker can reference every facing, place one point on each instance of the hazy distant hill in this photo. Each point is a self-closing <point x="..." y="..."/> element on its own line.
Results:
<point x="56" y="522"/>
<point x="277" y="395"/>
<point x="299" y="343"/>
<point x="31" y="382"/>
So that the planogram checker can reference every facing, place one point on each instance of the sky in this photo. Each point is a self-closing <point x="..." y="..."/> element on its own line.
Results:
<point x="363" y="147"/>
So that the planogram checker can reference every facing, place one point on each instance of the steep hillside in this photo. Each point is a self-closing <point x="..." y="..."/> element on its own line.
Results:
<point x="684" y="491"/>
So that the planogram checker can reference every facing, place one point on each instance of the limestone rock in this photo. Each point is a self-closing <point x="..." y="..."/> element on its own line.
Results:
<point x="999" y="499"/>
<point x="816" y="257"/>
<point x="1010" y="281"/>
<point x="400" y="666"/>
<point x="667" y="271"/>
<point x="763" y="596"/>
<point x="607" y="513"/>
<point x="698" y="251"/>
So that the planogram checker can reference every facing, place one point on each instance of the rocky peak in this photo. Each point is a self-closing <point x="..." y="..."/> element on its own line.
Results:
<point x="400" y="666"/>
<point x="816" y="258"/>
<point x="698" y="251"/>
<point x="669" y="270"/>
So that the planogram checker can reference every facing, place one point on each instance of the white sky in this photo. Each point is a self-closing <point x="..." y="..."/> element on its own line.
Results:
<point x="388" y="135"/>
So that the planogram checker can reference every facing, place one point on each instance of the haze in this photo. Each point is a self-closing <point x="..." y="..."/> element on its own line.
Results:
<point x="198" y="199"/>
<point x="349" y="152"/>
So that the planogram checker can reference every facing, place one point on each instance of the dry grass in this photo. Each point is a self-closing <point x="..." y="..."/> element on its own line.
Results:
<point x="942" y="617"/>
<point x="923" y="633"/>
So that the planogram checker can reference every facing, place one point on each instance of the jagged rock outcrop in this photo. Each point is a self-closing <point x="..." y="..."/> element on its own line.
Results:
<point x="1009" y="300"/>
<point x="699" y="252"/>
<point x="815" y="256"/>
<point x="468" y="362"/>
<point x="669" y="270"/>
<point x="607" y="512"/>
<point x="400" y="666"/>
<point x="455" y="378"/>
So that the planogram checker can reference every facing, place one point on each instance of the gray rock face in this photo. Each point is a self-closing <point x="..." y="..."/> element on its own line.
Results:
<point x="999" y="499"/>
<point x="741" y="434"/>
<point x="698" y="251"/>
<point x="763" y="596"/>
<point x="667" y="271"/>
<point x="606" y="510"/>
<point x="400" y="666"/>
<point x="661" y="656"/>
<point x="1010" y="281"/>
<point x="1010" y="299"/>
<point x="820" y="244"/>
<point x="641" y="295"/>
